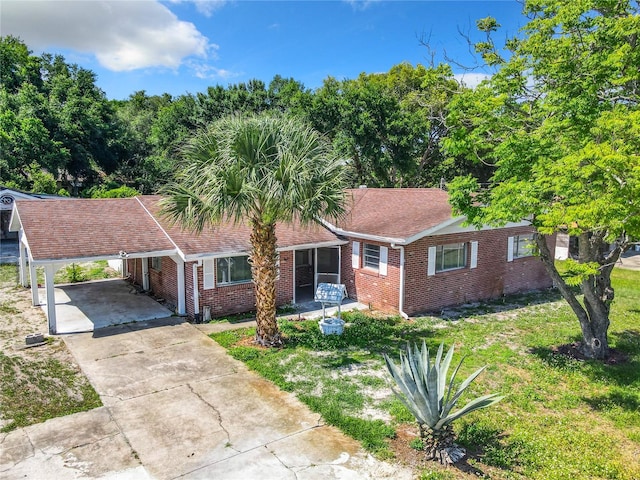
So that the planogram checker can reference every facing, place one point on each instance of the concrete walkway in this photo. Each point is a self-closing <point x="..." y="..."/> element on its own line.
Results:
<point x="177" y="406"/>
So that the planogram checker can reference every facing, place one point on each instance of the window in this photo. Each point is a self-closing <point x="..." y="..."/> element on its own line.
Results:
<point x="371" y="256"/>
<point x="233" y="270"/>
<point x="523" y="246"/>
<point x="451" y="256"/>
<point x="156" y="263"/>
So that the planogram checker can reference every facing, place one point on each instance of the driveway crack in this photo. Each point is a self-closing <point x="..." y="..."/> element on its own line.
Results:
<point x="218" y="417"/>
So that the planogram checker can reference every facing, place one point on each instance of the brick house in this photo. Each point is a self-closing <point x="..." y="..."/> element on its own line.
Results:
<point x="400" y="250"/>
<point x="407" y="253"/>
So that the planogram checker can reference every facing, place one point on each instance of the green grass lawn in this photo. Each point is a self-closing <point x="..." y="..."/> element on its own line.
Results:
<point x="561" y="418"/>
<point x="34" y="390"/>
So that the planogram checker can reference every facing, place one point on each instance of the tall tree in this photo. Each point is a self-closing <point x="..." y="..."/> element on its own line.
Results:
<point x="262" y="170"/>
<point x="390" y="125"/>
<point x="560" y="123"/>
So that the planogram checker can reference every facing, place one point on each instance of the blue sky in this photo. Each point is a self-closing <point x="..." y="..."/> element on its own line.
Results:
<point x="181" y="46"/>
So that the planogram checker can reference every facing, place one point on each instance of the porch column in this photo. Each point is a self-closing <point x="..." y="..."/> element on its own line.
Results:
<point x="145" y="273"/>
<point x="33" y="278"/>
<point x="49" y="272"/>
<point x="24" y="279"/>
<point x="182" y="294"/>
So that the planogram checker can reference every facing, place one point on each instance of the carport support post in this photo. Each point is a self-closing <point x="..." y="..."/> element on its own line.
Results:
<point x="33" y="278"/>
<point x="145" y="273"/>
<point x="49" y="272"/>
<point x="182" y="294"/>
<point x="24" y="279"/>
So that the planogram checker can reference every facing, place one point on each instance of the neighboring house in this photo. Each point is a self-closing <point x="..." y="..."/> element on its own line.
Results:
<point x="400" y="250"/>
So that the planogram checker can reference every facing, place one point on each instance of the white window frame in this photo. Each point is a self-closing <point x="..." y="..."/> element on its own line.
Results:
<point x="435" y="258"/>
<point x="156" y="263"/>
<point x="517" y="246"/>
<point x="230" y="259"/>
<point x="370" y="259"/>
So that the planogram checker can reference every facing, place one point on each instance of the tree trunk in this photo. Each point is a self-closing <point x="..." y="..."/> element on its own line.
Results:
<point x="597" y="290"/>
<point x="264" y="270"/>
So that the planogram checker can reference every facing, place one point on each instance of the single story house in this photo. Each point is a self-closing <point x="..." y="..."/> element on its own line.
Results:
<point x="399" y="250"/>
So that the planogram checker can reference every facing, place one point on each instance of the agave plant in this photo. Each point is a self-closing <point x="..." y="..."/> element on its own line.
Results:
<point x="424" y="389"/>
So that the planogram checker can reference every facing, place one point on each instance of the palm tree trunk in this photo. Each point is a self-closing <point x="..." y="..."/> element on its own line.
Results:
<point x="264" y="270"/>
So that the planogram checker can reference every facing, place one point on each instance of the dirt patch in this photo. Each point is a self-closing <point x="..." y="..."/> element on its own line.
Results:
<point x="572" y="350"/>
<point x="413" y="458"/>
<point x="18" y="318"/>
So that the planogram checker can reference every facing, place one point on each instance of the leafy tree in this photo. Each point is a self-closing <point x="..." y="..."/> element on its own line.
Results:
<point x="142" y="164"/>
<point x="119" y="192"/>
<point x="54" y="116"/>
<point x="262" y="170"/>
<point x="390" y="126"/>
<point x="560" y="123"/>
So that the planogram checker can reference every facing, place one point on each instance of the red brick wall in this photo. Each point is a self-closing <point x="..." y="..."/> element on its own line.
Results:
<point x="163" y="283"/>
<point x="239" y="298"/>
<point x="367" y="285"/>
<point x="492" y="278"/>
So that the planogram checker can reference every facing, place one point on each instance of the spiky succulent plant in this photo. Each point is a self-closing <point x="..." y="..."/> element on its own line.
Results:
<point x="424" y="389"/>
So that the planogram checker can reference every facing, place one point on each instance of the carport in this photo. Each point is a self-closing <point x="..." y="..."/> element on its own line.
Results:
<point x="88" y="306"/>
<point x="54" y="233"/>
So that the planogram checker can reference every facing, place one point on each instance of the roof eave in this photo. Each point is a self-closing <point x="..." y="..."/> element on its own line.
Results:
<point x="118" y="256"/>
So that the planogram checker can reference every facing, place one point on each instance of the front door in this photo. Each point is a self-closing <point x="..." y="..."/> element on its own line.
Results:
<point x="313" y="266"/>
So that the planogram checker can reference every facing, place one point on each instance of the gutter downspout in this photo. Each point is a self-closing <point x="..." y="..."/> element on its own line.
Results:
<point x="401" y="295"/>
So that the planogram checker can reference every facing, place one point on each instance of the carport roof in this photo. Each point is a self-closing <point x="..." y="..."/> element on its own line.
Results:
<point x="89" y="228"/>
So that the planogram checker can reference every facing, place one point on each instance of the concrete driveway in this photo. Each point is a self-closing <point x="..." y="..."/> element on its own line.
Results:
<point x="84" y="307"/>
<point x="177" y="406"/>
<point x="630" y="260"/>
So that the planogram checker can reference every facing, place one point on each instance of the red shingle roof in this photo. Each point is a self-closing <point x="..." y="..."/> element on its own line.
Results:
<point x="90" y="228"/>
<point x="93" y="228"/>
<point x="229" y="238"/>
<point x="395" y="213"/>
<point x="84" y="228"/>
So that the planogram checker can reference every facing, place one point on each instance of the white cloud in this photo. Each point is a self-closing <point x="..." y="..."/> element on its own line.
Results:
<point x="471" y="80"/>
<point x="123" y="36"/>
<point x="360" y="5"/>
<point x="205" y="7"/>
<point x="208" y="72"/>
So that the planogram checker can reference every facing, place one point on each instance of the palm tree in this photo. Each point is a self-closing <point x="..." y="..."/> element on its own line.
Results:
<point x="259" y="169"/>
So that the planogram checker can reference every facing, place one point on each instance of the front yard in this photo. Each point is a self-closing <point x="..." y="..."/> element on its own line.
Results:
<point x="562" y="418"/>
<point x="41" y="382"/>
